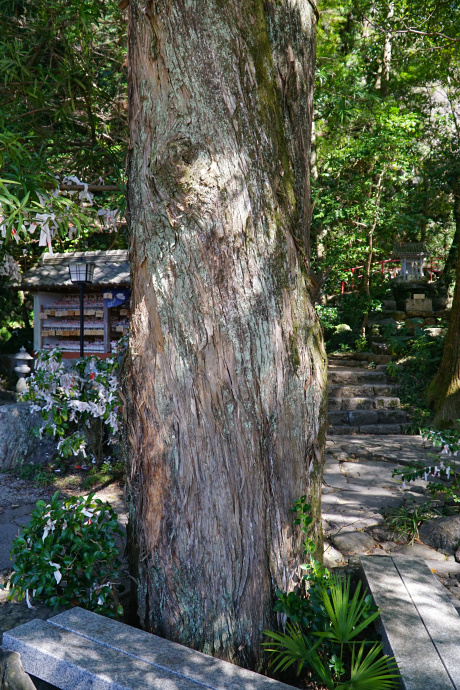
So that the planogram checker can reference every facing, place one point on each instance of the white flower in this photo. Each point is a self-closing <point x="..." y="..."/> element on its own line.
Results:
<point x="57" y="573"/>
<point x="49" y="527"/>
<point x="29" y="605"/>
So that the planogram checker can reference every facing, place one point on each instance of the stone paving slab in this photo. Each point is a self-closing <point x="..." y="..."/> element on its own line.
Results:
<point x="357" y="508"/>
<point x="435" y="609"/>
<point x="82" y="650"/>
<point x="421" y="551"/>
<point x="403" y="632"/>
<point x="403" y="450"/>
<point x="443" y="568"/>
<point x="70" y="661"/>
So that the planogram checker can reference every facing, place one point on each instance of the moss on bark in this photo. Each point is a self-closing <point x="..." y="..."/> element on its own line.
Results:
<point x="444" y="391"/>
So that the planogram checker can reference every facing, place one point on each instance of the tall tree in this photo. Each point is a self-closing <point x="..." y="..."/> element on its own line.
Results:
<point x="385" y="117"/>
<point x="225" y="373"/>
<point x="63" y="115"/>
<point x="444" y="390"/>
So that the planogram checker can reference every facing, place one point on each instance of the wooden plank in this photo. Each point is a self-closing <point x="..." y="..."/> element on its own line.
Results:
<point x="404" y="634"/>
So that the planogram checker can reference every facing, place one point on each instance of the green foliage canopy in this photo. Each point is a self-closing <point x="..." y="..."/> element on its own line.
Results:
<point x="63" y="115"/>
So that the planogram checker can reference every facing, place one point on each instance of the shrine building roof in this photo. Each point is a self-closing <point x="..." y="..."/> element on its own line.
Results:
<point x="52" y="271"/>
<point x="409" y="250"/>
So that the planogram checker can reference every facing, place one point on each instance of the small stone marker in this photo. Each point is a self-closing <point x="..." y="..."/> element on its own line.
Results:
<point x="78" y="650"/>
<point x="419" y="625"/>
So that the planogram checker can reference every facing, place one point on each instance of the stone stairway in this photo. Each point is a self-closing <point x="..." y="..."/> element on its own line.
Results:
<point x="361" y="400"/>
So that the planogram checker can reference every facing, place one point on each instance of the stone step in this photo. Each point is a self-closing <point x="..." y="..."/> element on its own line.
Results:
<point x="365" y="417"/>
<point x="365" y="390"/>
<point x="361" y="357"/>
<point x="364" y="403"/>
<point x="355" y="376"/>
<point x="339" y="362"/>
<point x="80" y="650"/>
<point x="372" y="357"/>
<point x="370" y="429"/>
<point x="360" y="366"/>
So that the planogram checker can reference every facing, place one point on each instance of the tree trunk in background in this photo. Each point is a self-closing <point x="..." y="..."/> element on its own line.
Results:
<point x="225" y="373"/>
<point x="386" y="59"/>
<point x="444" y="390"/>
<point x="448" y="274"/>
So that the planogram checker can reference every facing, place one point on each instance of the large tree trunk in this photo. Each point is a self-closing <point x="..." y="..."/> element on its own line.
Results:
<point x="226" y="369"/>
<point x="444" y="391"/>
<point x="448" y="274"/>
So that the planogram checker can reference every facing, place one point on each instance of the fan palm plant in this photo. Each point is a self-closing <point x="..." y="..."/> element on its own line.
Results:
<point x="348" y="617"/>
<point x="369" y="669"/>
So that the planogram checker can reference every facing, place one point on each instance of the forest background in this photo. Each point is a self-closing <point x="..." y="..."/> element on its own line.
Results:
<point x="385" y="164"/>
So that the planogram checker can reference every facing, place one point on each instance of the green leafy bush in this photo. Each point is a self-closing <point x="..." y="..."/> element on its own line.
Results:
<point x="354" y="306"/>
<point x="405" y="520"/>
<point x="67" y="556"/>
<point x="109" y="470"/>
<point x="343" y="323"/>
<point x="40" y="475"/>
<point x="305" y="606"/>
<point x="418" y="363"/>
<point x="329" y="316"/>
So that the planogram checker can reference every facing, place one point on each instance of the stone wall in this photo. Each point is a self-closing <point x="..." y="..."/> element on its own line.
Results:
<point x="17" y="443"/>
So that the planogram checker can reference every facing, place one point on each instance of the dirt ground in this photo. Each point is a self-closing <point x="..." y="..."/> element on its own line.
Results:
<point x="17" y="501"/>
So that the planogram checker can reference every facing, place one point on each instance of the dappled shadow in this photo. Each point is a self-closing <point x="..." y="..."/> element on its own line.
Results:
<point x="89" y="645"/>
<point x="418" y="623"/>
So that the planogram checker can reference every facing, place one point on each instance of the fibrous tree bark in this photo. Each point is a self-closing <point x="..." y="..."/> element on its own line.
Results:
<point x="448" y="273"/>
<point x="444" y="390"/>
<point x="225" y="372"/>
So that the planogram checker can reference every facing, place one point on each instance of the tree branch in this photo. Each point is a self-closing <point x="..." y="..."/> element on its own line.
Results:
<point x="411" y="30"/>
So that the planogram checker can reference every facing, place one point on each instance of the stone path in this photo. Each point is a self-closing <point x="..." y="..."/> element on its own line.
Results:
<point x="357" y="488"/>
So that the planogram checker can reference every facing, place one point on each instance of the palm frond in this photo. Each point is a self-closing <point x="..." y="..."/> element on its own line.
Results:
<point x="372" y="671"/>
<point x="293" y="647"/>
<point x="347" y="616"/>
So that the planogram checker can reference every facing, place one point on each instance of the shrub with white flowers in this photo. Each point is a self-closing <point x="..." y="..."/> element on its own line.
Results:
<point x="67" y="556"/>
<point x="442" y="471"/>
<point x="78" y="404"/>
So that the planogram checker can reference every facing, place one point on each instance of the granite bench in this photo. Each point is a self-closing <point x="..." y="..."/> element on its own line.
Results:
<point x="419" y="625"/>
<point x="80" y="650"/>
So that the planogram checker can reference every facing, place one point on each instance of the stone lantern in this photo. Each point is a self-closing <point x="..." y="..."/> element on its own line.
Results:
<point x="22" y="369"/>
